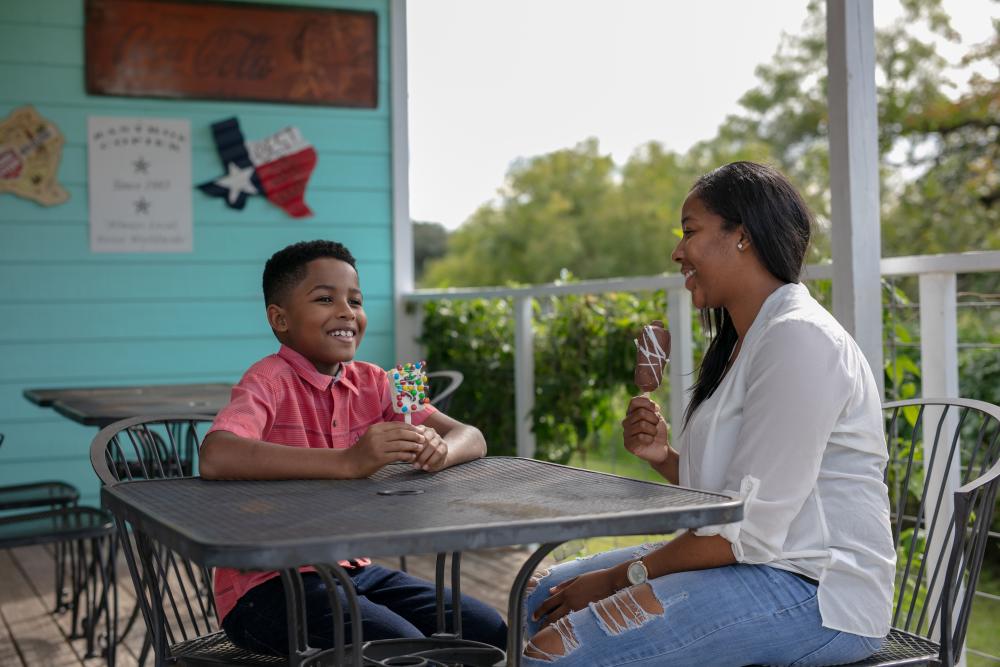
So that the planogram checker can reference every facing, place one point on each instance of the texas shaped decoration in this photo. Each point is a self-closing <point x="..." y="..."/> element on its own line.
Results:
<point x="278" y="167"/>
<point x="30" y="149"/>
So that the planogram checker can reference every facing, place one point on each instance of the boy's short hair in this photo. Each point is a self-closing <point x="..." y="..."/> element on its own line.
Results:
<point x="287" y="267"/>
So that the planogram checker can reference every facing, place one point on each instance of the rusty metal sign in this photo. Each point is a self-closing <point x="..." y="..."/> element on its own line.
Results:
<point x="232" y="51"/>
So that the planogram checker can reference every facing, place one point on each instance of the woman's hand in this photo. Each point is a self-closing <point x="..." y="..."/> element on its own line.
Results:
<point x="646" y="433"/>
<point x="574" y="594"/>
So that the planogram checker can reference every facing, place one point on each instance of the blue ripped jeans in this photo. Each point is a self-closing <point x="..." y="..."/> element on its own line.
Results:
<point x="727" y="616"/>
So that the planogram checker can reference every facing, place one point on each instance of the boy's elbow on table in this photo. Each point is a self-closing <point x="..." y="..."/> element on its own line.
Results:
<point x="208" y="455"/>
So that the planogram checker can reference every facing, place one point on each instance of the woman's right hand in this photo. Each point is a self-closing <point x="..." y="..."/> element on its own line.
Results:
<point x="646" y="433"/>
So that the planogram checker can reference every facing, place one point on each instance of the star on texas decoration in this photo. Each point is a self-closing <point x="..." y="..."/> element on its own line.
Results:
<point x="277" y="167"/>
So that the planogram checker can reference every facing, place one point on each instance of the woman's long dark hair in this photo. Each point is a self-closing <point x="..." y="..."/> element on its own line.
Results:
<point x="777" y="223"/>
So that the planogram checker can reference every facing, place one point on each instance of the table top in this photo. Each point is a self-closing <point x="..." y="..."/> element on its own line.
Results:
<point x="100" y="406"/>
<point x="491" y="502"/>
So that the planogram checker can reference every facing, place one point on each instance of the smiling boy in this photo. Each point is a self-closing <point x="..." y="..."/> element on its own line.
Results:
<point x="311" y="411"/>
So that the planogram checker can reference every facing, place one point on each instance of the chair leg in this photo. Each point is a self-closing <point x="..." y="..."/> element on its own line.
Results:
<point x="92" y="599"/>
<point x="101" y="599"/>
<point x="77" y="580"/>
<point x="60" y="578"/>
<point x="110" y="581"/>
<point x="147" y="645"/>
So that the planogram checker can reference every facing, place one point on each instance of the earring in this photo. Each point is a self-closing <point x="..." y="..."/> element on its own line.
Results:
<point x="739" y="246"/>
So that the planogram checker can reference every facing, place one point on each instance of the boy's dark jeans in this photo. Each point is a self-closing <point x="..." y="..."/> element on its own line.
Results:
<point x="393" y="604"/>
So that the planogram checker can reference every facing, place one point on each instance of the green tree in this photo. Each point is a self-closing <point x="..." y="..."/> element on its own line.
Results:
<point x="939" y="176"/>
<point x="540" y="225"/>
<point x="572" y="210"/>
<point x="430" y="241"/>
<point x="575" y="209"/>
<point x="952" y="201"/>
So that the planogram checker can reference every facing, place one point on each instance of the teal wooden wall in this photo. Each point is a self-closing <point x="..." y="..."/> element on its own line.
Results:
<point x="69" y="317"/>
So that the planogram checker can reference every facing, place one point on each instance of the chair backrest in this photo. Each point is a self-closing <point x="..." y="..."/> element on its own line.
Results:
<point x="148" y="448"/>
<point x="175" y="595"/>
<point x="943" y="476"/>
<point x="443" y="385"/>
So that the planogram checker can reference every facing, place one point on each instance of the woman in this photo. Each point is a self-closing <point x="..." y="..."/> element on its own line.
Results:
<point x="786" y="414"/>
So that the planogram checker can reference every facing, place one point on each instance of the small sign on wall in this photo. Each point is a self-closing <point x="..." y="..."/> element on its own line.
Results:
<point x="30" y="149"/>
<point x="140" y="184"/>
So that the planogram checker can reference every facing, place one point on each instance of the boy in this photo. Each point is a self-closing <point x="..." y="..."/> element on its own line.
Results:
<point x="310" y="411"/>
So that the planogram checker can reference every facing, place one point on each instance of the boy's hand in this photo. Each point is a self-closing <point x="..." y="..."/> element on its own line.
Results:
<point x="435" y="452"/>
<point x="384" y="443"/>
<point x="645" y="432"/>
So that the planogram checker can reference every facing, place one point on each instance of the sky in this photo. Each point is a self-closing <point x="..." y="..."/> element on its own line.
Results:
<point x="494" y="80"/>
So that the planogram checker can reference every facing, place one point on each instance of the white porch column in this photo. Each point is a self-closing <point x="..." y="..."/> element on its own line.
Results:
<point x="524" y="375"/>
<point x="938" y="335"/>
<point x="406" y="327"/>
<point x="854" y="178"/>
<point x="939" y="379"/>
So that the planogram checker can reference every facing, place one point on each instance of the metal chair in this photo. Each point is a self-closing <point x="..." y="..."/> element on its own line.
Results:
<point x="173" y="594"/>
<point x="941" y="522"/>
<point x="87" y="534"/>
<point x="82" y="538"/>
<point x="52" y="494"/>
<point x="443" y="385"/>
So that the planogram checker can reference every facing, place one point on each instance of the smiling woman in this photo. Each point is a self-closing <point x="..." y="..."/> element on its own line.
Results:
<point x="785" y="414"/>
<point x="739" y="245"/>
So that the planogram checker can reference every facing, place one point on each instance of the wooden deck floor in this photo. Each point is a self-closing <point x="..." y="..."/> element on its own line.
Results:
<point x="32" y="636"/>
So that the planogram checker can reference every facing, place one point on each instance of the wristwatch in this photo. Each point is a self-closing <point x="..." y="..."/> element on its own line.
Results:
<point x="637" y="573"/>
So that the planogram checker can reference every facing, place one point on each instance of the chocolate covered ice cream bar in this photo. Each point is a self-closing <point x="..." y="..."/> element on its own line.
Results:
<point x="651" y="355"/>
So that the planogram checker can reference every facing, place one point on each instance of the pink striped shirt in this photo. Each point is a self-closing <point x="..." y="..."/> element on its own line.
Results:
<point x="283" y="399"/>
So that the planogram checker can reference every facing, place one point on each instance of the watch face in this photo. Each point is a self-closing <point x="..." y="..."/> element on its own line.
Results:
<point x="637" y="573"/>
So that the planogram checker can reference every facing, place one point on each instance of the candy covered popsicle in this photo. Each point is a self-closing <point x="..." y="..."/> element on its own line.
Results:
<point x="410" y="385"/>
<point x="651" y="355"/>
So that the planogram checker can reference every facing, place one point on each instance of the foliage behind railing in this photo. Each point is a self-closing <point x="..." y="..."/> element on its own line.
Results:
<point x="584" y="357"/>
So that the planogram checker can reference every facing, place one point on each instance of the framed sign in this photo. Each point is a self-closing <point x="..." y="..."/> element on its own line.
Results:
<point x="224" y="50"/>
<point x="139" y="178"/>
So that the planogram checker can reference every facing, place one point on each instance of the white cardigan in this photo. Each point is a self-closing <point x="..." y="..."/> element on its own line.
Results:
<point x="796" y="429"/>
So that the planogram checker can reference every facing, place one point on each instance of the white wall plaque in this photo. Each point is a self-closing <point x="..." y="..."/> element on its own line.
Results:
<point x="140" y="184"/>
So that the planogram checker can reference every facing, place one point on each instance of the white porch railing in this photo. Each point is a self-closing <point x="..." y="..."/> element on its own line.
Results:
<point x="938" y="317"/>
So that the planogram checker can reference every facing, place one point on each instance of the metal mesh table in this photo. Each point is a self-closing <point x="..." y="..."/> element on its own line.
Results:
<point x="497" y="501"/>
<point x="100" y="406"/>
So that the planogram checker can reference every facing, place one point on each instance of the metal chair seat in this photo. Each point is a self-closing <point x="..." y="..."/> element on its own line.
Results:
<point x="37" y="494"/>
<point x="902" y="648"/>
<point x="216" y="649"/>
<point x="60" y="525"/>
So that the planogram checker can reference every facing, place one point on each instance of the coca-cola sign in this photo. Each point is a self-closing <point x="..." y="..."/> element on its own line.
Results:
<point x="220" y="50"/>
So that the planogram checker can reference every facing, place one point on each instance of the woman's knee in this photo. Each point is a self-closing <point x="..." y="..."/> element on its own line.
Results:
<point x="553" y="642"/>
